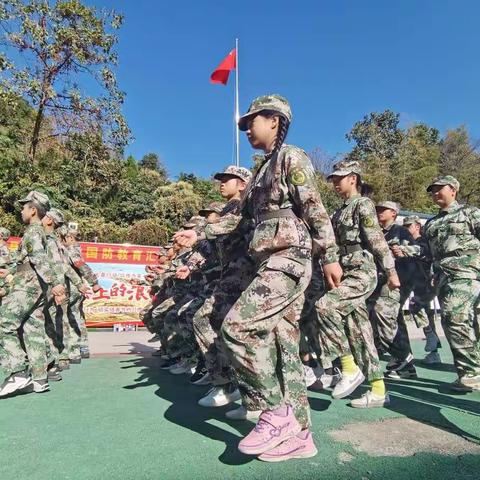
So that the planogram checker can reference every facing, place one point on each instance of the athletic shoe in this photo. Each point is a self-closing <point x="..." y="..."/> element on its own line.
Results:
<point x="184" y="367"/>
<point x="393" y="364"/>
<point x="40" y="386"/>
<point x="467" y="383"/>
<point x="155" y="338"/>
<point x="198" y="374"/>
<point x="168" y="363"/>
<point x="432" y="358"/>
<point x="157" y="353"/>
<point x="370" y="400"/>
<point x="310" y="377"/>
<point x="271" y="430"/>
<point x="299" y="446"/>
<point x="433" y="342"/>
<point x="64" y="365"/>
<point x="241" y="413"/>
<point x="84" y="353"/>
<point x="406" y="371"/>
<point x="15" y="382"/>
<point x="53" y="374"/>
<point x="76" y="361"/>
<point x="220" y="395"/>
<point x="326" y="380"/>
<point x="348" y="384"/>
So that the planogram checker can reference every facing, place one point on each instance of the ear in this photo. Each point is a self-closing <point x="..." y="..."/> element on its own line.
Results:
<point x="275" y="122"/>
<point x="241" y="185"/>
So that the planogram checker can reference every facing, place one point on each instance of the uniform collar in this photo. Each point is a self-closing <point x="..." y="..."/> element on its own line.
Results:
<point x="348" y="201"/>
<point x="451" y="208"/>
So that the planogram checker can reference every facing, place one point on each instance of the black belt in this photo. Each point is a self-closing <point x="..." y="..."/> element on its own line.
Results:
<point x="346" y="249"/>
<point x="461" y="253"/>
<point x="282" y="213"/>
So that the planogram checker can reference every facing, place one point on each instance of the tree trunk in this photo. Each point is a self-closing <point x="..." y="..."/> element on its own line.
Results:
<point x="36" y="130"/>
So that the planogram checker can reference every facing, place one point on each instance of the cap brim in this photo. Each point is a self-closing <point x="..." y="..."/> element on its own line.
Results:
<point x="23" y="200"/>
<point x="339" y="173"/>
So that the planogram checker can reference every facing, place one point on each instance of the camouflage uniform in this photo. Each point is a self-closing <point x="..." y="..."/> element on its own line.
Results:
<point x="22" y="309"/>
<point x="453" y="237"/>
<point x="6" y="260"/>
<point x="76" y="315"/>
<point x="385" y="305"/>
<point x="261" y="330"/>
<point x="342" y="312"/>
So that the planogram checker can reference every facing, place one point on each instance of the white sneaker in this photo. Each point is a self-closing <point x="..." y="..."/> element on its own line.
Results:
<point x="310" y="377"/>
<point x="182" y="367"/>
<point x="370" y="400"/>
<point x="348" y="384"/>
<point x="432" y="341"/>
<point x="241" y="413"/>
<point x="15" y="382"/>
<point x="40" y="386"/>
<point x="432" y="358"/>
<point x="219" y="396"/>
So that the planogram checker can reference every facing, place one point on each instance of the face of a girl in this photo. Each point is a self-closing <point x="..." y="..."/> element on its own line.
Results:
<point x="343" y="185"/>
<point x="261" y="131"/>
<point x="229" y="186"/>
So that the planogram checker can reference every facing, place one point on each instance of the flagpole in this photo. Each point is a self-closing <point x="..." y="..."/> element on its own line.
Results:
<point x="237" y="111"/>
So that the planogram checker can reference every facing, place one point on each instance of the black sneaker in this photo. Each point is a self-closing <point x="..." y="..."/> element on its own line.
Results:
<point x="15" y="382"/>
<point x="198" y="375"/>
<point x="85" y="353"/>
<point x="76" y="361"/>
<point x="53" y="375"/>
<point x="406" y="371"/>
<point x="168" y="363"/>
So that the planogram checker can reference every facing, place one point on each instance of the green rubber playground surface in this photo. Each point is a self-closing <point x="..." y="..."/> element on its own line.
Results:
<point x="123" y="418"/>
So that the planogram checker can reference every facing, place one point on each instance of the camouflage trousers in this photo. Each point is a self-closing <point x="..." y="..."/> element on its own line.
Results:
<point x="58" y="331"/>
<point x="420" y="306"/>
<point x="209" y="318"/>
<point x="310" y="339"/>
<point x="261" y="332"/>
<point x="458" y="299"/>
<point x="22" y="321"/>
<point x="343" y="318"/>
<point x="384" y="311"/>
<point x="78" y="335"/>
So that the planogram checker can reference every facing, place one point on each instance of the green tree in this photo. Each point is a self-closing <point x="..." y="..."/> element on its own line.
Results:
<point x="61" y="43"/>
<point x="151" y="161"/>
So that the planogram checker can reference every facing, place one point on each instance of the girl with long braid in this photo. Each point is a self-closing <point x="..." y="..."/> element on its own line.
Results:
<point x="261" y="331"/>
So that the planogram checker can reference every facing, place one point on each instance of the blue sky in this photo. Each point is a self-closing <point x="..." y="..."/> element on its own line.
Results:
<point x="334" y="60"/>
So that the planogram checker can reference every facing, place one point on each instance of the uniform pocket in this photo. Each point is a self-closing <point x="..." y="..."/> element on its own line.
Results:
<point x="291" y="267"/>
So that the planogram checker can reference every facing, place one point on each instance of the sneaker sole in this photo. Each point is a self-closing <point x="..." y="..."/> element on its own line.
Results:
<point x="291" y="456"/>
<point x="351" y="389"/>
<point x="242" y="419"/>
<point x="232" y="399"/>
<point x="371" y="405"/>
<point x="202" y="381"/>
<point x="401" y="377"/>
<point x="28" y="382"/>
<point x="257" y="451"/>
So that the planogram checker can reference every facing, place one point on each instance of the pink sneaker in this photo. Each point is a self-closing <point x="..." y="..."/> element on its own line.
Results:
<point x="300" y="446"/>
<point x="273" y="428"/>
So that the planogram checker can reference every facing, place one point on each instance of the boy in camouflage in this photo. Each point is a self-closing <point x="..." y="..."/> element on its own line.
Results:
<point x="22" y="308"/>
<point x="342" y="312"/>
<point x="453" y="237"/>
<point x="261" y="330"/>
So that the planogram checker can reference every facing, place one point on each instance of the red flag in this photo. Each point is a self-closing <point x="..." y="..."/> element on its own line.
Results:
<point x="221" y="73"/>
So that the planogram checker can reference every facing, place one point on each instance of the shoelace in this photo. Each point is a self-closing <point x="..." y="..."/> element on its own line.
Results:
<point x="264" y="421"/>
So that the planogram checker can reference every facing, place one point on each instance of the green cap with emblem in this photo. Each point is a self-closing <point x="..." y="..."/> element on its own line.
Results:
<point x="5" y="233"/>
<point x="410" y="220"/>
<point x="233" y="171"/>
<point x="57" y="216"/>
<point x="390" y="205"/>
<point x="37" y="198"/>
<point x="273" y="102"/>
<point x="445" y="180"/>
<point x="344" y="168"/>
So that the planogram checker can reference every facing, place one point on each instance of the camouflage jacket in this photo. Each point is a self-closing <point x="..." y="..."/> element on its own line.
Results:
<point x="57" y="253"/>
<point x="32" y="251"/>
<point x="453" y="237"/>
<point x="355" y="223"/>
<point x="294" y="188"/>
<point x="80" y="266"/>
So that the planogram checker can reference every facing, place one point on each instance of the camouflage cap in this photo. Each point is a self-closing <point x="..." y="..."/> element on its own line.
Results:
<point x="38" y="198"/>
<point x="390" y="205"/>
<point x="232" y="170"/>
<point x="57" y="216"/>
<point x="345" y="167"/>
<point x="267" y="102"/>
<point x="411" y="219"/>
<point x="162" y="251"/>
<point x="216" y="207"/>
<point x="168" y="245"/>
<point x="62" y="231"/>
<point x="194" y="222"/>
<point x="5" y="233"/>
<point x="445" y="180"/>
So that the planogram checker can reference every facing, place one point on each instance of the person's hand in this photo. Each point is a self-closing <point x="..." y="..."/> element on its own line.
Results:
<point x="96" y="287"/>
<point x="150" y="278"/>
<point x="134" y="281"/>
<point x="182" y="272"/>
<point x="83" y="289"/>
<point x="333" y="274"/>
<point x="58" y="290"/>
<point x="393" y="282"/>
<point x="59" y="299"/>
<point x="158" y="270"/>
<point x="3" y="292"/>
<point x="186" y="238"/>
<point x="397" y="251"/>
<point x="3" y="272"/>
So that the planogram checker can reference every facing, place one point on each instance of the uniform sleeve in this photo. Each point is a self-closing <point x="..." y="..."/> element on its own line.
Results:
<point x="82" y="267"/>
<point x="474" y="218"/>
<point x="40" y="260"/>
<point x="308" y="204"/>
<point x="225" y="226"/>
<point x="372" y="235"/>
